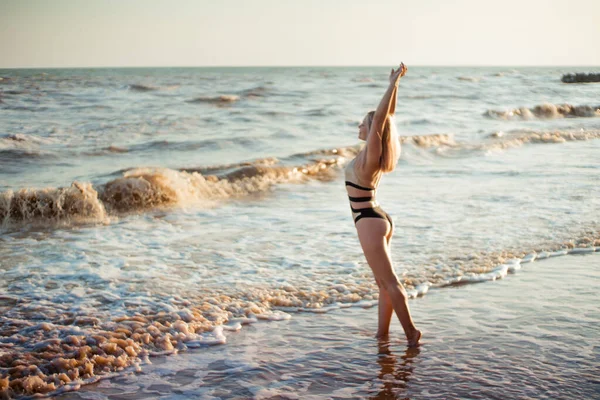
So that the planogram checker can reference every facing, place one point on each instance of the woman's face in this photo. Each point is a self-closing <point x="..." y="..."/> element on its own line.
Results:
<point x="363" y="129"/>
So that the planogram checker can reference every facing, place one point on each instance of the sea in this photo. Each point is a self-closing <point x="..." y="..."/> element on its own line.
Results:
<point x="150" y="215"/>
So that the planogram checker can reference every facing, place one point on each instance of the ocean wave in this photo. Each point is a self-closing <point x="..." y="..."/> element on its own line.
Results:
<point x="150" y="88"/>
<point x="427" y="141"/>
<point x="319" y="112"/>
<point x="444" y="96"/>
<point x="79" y="202"/>
<point x="211" y="169"/>
<point x="144" y="189"/>
<point x="15" y="147"/>
<point x="164" y="144"/>
<point x="183" y="145"/>
<point x="13" y="92"/>
<point x="142" y="88"/>
<point x="228" y="99"/>
<point x="468" y="78"/>
<point x="221" y="99"/>
<point x="501" y="140"/>
<point x="21" y="155"/>
<point x="420" y="97"/>
<point x="23" y="108"/>
<point x="546" y="111"/>
<point x="116" y="149"/>
<point x="48" y="346"/>
<point x="258" y="91"/>
<point x="148" y="188"/>
<point x="363" y="80"/>
<point x="420" y="121"/>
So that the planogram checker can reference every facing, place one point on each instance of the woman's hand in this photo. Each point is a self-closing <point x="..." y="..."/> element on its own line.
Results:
<point x="395" y="75"/>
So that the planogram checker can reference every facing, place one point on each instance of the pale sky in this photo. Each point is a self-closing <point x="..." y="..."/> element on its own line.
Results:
<point x="99" y="33"/>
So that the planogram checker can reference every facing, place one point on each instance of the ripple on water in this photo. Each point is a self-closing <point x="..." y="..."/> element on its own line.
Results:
<point x="481" y="341"/>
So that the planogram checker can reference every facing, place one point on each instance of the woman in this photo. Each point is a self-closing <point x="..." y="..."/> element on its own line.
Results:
<point x="374" y="226"/>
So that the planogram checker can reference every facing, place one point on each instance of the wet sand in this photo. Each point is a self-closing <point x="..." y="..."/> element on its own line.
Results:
<point x="525" y="336"/>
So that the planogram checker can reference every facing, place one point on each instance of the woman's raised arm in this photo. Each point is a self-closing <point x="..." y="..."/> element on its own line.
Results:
<point x="386" y="107"/>
<point x="393" y="105"/>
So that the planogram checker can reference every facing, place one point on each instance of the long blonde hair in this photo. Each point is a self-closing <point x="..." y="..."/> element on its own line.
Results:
<point x="390" y="151"/>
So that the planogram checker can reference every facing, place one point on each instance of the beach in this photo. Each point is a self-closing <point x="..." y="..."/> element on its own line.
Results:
<point x="165" y="229"/>
<point x="530" y="335"/>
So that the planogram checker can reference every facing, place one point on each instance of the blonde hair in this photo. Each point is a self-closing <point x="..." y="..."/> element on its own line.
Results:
<point x="390" y="151"/>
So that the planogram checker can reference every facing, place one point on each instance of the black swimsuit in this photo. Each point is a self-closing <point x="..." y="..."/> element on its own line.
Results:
<point x="369" y="212"/>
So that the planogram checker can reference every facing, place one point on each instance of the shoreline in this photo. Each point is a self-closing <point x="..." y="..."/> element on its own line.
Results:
<point x="520" y="337"/>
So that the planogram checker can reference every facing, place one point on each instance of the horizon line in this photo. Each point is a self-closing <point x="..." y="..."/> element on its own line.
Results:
<point x="304" y="66"/>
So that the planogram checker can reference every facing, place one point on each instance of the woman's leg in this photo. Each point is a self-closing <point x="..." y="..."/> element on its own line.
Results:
<point x="385" y="312"/>
<point x="385" y="304"/>
<point x="372" y="234"/>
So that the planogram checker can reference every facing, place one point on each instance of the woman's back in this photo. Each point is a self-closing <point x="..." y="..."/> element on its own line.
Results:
<point x="355" y="173"/>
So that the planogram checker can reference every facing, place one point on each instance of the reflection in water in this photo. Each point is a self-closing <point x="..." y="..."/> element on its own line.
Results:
<point x="394" y="373"/>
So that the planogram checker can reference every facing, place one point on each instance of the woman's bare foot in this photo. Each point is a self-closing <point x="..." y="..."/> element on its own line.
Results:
<point x="413" y="341"/>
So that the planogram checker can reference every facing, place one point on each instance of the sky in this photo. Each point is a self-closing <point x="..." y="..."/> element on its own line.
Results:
<point x="134" y="33"/>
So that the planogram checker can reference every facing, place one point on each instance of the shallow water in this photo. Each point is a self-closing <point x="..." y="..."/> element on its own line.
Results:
<point x="153" y="205"/>
<point x="522" y="337"/>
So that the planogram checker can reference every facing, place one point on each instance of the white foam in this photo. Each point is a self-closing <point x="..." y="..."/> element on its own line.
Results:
<point x="452" y="281"/>
<point x="366" y="303"/>
<point x="290" y="309"/>
<point x="274" y="316"/>
<point x="164" y="352"/>
<point x="513" y="268"/>
<point x="542" y="255"/>
<point x="213" y="338"/>
<point x="512" y="265"/>
<point x="529" y="258"/>
<point x="341" y="288"/>
<point x="233" y="327"/>
<point x="419" y="290"/>
<point x="582" y="250"/>
<point x="497" y="273"/>
<point x="321" y="310"/>
<point x="558" y="253"/>
<point x="244" y="321"/>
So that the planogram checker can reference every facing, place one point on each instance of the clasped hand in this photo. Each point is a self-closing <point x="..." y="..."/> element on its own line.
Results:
<point x="395" y="75"/>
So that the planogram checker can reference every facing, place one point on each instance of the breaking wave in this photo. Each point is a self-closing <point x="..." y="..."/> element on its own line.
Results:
<point x="546" y="111"/>
<point x="143" y="189"/>
<point x="79" y="202"/>
<point x="501" y="140"/>
<point x="227" y="99"/>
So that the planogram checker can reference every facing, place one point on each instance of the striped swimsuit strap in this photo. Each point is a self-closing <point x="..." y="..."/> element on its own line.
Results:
<point x="359" y="199"/>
